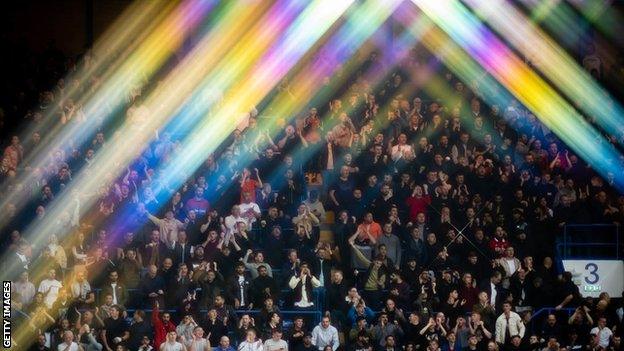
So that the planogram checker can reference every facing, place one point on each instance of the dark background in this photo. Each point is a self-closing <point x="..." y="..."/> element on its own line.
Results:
<point x="72" y="25"/>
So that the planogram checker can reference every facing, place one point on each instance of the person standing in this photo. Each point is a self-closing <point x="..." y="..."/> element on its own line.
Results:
<point x="508" y="324"/>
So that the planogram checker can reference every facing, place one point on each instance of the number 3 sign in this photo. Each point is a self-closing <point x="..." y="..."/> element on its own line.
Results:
<point x="596" y="276"/>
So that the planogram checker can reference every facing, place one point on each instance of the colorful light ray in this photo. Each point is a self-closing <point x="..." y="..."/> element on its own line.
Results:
<point x="360" y="25"/>
<point x="523" y="83"/>
<point x="153" y="50"/>
<point x="602" y="16"/>
<point x="311" y="25"/>
<point x="123" y="35"/>
<point x="552" y="61"/>
<point x="109" y="162"/>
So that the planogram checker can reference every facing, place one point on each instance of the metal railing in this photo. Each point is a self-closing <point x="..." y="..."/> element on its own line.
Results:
<point x="590" y="236"/>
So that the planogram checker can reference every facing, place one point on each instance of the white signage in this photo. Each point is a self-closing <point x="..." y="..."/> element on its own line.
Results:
<point x="596" y="276"/>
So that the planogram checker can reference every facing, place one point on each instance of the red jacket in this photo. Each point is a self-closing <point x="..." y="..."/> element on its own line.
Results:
<point x="498" y="244"/>
<point x="160" y="329"/>
<point x="417" y="205"/>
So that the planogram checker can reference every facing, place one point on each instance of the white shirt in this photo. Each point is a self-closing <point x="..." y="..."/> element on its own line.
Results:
<point x="241" y="288"/>
<point x="252" y="206"/>
<point x="50" y="288"/>
<point x="80" y="289"/>
<point x="23" y="258"/>
<point x="399" y="150"/>
<point x="322" y="337"/>
<point x="198" y="345"/>
<point x="321" y="274"/>
<point x="114" y="286"/>
<point x="604" y="335"/>
<point x="514" y="323"/>
<point x="272" y="345"/>
<point x="305" y="301"/>
<point x="230" y="222"/>
<point x="26" y="290"/>
<point x="511" y="265"/>
<point x="493" y="295"/>
<point x="63" y="346"/>
<point x="174" y="346"/>
<point x="253" y="346"/>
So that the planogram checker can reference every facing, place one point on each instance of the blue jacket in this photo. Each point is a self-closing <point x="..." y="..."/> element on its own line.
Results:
<point x="368" y="314"/>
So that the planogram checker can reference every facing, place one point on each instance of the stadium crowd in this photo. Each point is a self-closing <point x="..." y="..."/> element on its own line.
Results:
<point x="379" y="218"/>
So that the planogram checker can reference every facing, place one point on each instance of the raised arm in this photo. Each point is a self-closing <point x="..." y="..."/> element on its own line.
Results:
<point x="154" y="219"/>
<point x="360" y="256"/>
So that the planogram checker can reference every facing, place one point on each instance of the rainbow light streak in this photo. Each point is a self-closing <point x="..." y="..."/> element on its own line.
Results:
<point x="523" y="83"/>
<point x="109" y="162"/>
<point x="372" y="14"/>
<point x="559" y="18"/>
<point x="458" y="60"/>
<point x="121" y="34"/>
<point x="154" y="50"/>
<point x="360" y="25"/>
<point x="552" y="61"/>
<point x="602" y="16"/>
<point x="206" y="59"/>
<point x="312" y="23"/>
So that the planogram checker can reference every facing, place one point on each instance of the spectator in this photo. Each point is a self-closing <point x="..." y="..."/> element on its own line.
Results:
<point x="162" y="327"/>
<point x="115" y="289"/>
<point x="168" y="227"/>
<point x="81" y="291"/>
<point x="254" y="266"/>
<point x="251" y="343"/>
<point x="250" y="210"/>
<point x="68" y="343"/>
<point x="214" y="327"/>
<point x="50" y="288"/>
<point x="508" y="324"/>
<point x="224" y="344"/>
<point x="305" y="218"/>
<point x="297" y="333"/>
<point x="153" y="287"/>
<point x="25" y="288"/>
<point x="602" y="333"/>
<point x="197" y="341"/>
<point x="392" y="244"/>
<point x="324" y="335"/>
<point x="171" y="344"/>
<point x="239" y="287"/>
<point x="385" y="328"/>
<point x="302" y="287"/>
<point x="198" y="204"/>
<point x="275" y="342"/>
<point x="263" y="287"/>
<point x="115" y="331"/>
<point x="139" y="330"/>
